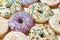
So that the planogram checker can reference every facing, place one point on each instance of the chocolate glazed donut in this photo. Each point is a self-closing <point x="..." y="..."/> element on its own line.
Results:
<point x="20" y="21"/>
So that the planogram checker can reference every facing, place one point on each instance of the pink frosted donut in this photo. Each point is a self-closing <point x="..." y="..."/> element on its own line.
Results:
<point x="24" y="2"/>
<point x="20" y="21"/>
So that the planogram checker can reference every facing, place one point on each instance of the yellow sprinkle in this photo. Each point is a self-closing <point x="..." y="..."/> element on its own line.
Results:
<point x="16" y="0"/>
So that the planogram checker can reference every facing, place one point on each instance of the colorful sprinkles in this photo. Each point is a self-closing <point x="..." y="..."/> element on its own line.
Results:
<point x="41" y="32"/>
<point x="40" y="12"/>
<point x="8" y="7"/>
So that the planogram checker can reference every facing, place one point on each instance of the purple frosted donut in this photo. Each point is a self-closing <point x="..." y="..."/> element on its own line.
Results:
<point x="20" y="21"/>
<point x="24" y="2"/>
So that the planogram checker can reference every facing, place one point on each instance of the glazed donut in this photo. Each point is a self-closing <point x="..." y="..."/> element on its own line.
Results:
<point x="55" y="22"/>
<point x="39" y="12"/>
<point x="15" y="36"/>
<point x="42" y="32"/>
<point x="51" y="3"/>
<point x="20" y="21"/>
<point x="3" y="27"/>
<point x="24" y="2"/>
<point x="8" y="7"/>
<point x="27" y="2"/>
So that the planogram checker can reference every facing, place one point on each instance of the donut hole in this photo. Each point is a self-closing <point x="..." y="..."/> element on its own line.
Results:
<point x="41" y="12"/>
<point x="8" y="6"/>
<point x="20" y="21"/>
<point x="41" y="35"/>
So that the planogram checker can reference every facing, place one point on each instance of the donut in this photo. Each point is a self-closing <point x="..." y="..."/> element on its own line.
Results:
<point x="3" y="27"/>
<point x="51" y="3"/>
<point x="8" y="7"/>
<point x="55" y="22"/>
<point x="15" y="36"/>
<point x="26" y="3"/>
<point x="42" y="32"/>
<point x="40" y="12"/>
<point x="20" y="21"/>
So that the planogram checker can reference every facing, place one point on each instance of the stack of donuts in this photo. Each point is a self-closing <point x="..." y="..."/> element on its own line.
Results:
<point x="29" y="19"/>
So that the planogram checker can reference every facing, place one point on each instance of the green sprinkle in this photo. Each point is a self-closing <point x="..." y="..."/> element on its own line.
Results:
<point x="45" y="15"/>
<point x="34" y="29"/>
<point x="17" y="2"/>
<point x="42" y="5"/>
<point x="33" y="7"/>
<point x="47" y="30"/>
<point x="9" y="1"/>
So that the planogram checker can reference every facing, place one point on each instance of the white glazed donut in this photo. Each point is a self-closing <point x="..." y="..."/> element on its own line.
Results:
<point x="15" y="36"/>
<point x="51" y="3"/>
<point x="55" y="22"/>
<point x="3" y="27"/>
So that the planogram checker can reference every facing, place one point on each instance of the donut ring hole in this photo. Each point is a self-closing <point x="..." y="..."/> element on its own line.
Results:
<point x="20" y="20"/>
<point x="41" y="35"/>
<point x="8" y="6"/>
<point x="41" y="12"/>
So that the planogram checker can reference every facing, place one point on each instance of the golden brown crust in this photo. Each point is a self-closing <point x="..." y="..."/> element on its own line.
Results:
<point x="58" y="33"/>
<point x="13" y="35"/>
<point x="3" y="27"/>
<point x="2" y="35"/>
<point x="54" y="6"/>
<point x="25" y="6"/>
<point x="38" y="21"/>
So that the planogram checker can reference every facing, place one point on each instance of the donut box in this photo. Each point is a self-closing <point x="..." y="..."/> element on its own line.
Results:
<point x="29" y="20"/>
